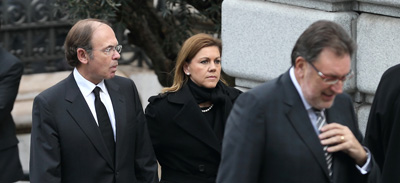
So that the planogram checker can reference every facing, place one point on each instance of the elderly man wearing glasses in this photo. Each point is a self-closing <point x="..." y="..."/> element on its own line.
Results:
<point x="300" y="127"/>
<point x="90" y="127"/>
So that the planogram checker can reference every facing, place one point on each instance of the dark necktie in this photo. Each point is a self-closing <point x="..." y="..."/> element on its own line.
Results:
<point x="321" y="121"/>
<point x="104" y="122"/>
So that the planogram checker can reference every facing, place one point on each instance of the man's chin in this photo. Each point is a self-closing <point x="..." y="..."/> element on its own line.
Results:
<point x="111" y="75"/>
<point x="327" y="105"/>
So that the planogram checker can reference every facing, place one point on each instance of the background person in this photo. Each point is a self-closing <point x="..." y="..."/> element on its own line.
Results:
<point x="383" y="131"/>
<point x="187" y="121"/>
<point x="11" y="70"/>
<point x="90" y="127"/>
<point x="272" y="133"/>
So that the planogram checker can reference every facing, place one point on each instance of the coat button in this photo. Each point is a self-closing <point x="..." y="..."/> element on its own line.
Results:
<point x="202" y="168"/>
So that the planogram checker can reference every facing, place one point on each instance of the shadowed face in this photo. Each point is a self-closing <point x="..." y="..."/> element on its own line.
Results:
<point x="318" y="93"/>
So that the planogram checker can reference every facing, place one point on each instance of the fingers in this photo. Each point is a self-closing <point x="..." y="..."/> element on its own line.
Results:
<point x="340" y="138"/>
<point x="333" y="134"/>
<point x="337" y="137"/>
<point x="333" y="140"/>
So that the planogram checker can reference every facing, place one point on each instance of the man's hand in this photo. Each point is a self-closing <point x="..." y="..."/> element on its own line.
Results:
<point x="340" y="138"/>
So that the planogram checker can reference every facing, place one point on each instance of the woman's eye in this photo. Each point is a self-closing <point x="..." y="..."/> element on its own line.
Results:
<point x="217" y="61"/>
<point x="204" y="61"/>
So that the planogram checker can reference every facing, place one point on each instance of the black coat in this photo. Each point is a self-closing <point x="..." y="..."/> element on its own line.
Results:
<point x="383" y="130"/>
<point x="11" y="70"/>
<point x="185" y="145"/>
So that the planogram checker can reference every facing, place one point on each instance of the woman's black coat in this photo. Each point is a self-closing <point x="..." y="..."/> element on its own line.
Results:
<point x="185" y="144"/>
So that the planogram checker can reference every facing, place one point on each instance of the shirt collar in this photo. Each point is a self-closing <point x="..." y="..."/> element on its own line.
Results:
<point x="298" y="88"/>
<point x="85" y="85"/>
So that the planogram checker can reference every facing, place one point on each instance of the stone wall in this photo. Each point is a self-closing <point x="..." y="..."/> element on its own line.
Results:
<point x="258" y="36"/>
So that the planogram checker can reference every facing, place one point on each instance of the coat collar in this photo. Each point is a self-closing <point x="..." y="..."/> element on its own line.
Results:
<point x="298" y="117"/>
<point x="190" y="118"/>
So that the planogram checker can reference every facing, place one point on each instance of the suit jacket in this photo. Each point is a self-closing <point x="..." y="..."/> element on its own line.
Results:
<point x="66" y="144"/>
<point x="269" y="138"/>
<point x="382" y="136"/>
<point x="186" y="146"/>
<point x="11" y="70"/>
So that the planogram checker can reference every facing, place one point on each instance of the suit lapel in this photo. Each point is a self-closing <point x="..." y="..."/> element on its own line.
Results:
<point x="301" y="122"/>
<point x="190" y="119"/>
<point x="120" y="112"/>
<point x="82" y="115"/>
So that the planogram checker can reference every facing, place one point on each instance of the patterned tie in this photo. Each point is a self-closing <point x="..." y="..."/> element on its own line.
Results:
<point x="104" y="122"/>
<point x="321" y="121"/>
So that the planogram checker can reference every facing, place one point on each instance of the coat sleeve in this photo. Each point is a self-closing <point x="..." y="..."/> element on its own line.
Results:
<point x="145" y="160"/>
<point x="153" y="124"/>
<point x="9" y="84"/>
<point x="45" y="165"/>
<point x="245" y="124"/>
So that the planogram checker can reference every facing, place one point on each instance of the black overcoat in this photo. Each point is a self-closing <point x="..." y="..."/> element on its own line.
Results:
<point x="185" y="145"/>
<point x="383" y="130"/>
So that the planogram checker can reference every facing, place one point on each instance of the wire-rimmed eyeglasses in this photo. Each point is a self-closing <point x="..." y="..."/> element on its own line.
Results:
<point x="332" y="79"/>
<point x="110" y="50"/>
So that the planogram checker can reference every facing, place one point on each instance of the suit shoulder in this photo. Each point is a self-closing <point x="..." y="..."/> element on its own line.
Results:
<point x="11" y="64"/>
<point x="52" y="97"/>
<point x="56" y="87"/>
<point x="343" y="101"/>
<point x="266" y="89"/>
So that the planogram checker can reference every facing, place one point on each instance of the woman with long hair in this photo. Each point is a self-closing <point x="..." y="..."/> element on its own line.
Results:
<point x="186" y="121"/>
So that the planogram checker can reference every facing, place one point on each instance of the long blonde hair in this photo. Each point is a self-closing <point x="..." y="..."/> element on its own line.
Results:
<point x="189" y="49"/>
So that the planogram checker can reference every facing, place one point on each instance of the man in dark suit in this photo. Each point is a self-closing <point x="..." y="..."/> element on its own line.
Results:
<point x="90" y="127"/>
<point x="11" y="70"/>
<point x="277" y="132"/>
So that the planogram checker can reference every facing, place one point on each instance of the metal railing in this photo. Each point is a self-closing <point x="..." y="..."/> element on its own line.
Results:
<point x="34" y="31"/>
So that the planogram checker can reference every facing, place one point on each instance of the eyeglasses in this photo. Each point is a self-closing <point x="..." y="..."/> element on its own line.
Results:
<point x="111" y="50"/>
<point x="331" y="80"/>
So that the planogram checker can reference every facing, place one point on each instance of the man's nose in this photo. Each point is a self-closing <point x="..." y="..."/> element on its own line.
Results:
<point x="116" y="55"/>
<point x="338" y="87"/>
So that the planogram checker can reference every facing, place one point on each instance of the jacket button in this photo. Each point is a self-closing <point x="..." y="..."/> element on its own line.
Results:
<point x="202" y="168"/>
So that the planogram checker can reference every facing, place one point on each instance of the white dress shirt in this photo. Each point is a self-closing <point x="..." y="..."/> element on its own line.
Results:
<point x="86" y="87"/>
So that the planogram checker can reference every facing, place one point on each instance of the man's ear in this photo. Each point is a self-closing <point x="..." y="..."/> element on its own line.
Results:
<point x="300" y="65"/>
<point x="82" y="55"/>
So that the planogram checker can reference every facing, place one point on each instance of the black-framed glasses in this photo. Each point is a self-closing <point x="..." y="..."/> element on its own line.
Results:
<point x="332" y="79"/>
<point x="111" y="50"/>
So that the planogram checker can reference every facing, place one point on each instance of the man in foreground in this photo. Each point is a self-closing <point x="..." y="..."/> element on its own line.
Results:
<point x="299" y="127"/>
